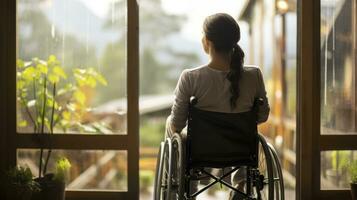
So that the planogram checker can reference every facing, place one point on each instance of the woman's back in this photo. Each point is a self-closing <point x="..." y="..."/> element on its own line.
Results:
<point x="212" y="90"/>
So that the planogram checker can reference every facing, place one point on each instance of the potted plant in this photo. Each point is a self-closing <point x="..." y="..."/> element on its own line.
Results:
<point x="53" y="184"/>
<point x="49" y="100"/>
<point x="18" y="184"/>
<point x="353" y="174"/>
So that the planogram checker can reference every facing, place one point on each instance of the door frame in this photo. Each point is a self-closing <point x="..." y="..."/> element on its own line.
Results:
<point x="10" y="140"/>
<point x="310" y="142"/>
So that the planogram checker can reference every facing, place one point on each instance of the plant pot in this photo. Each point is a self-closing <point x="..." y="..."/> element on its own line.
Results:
<point x="354" y="191"/>
<point x="13" y="192"/>
<point x="50" y="189"/>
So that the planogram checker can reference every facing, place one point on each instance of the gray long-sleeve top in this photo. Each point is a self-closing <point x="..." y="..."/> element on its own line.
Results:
<point x="212" y="90"/>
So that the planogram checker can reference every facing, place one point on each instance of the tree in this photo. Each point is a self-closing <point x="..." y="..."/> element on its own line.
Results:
<point x="36" y="39"/>
<point x="156" y="25"/>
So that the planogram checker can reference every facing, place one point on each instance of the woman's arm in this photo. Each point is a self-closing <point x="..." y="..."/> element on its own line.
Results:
<point x="264" y="109"/>
<point x="179" y="110"/>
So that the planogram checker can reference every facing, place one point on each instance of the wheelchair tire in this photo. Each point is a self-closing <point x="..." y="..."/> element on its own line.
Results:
<point x="267" y="194"/>
<point x="278" y="175"/>
<point x="163" y="170"/>
<point x="158" y="173"/>
<point x="178" y="169"/>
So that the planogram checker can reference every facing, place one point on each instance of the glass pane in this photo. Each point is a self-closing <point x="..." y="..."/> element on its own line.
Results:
<point x="89" y="169"/>
<point x="338" y="67"/>
<point x="335" y="165"/>
<point x="71" y="69"/>
<point x="175" y="27"/>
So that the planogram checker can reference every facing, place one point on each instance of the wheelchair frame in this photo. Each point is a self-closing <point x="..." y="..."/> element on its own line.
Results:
<point x="179" y="174"/>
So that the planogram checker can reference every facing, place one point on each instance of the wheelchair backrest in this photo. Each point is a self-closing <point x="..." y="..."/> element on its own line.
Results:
<point x="217" y="139"/>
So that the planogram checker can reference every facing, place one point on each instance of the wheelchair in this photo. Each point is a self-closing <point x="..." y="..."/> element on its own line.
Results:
<point x="218" y="140"/>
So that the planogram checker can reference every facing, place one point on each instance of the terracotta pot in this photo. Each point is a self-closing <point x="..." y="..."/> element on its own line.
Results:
<point x="50" y="189"/>
<point x="354" y="191"/>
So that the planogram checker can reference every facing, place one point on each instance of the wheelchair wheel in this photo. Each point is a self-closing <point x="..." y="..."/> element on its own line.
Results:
<point x="278" y="175"/>
<point x="158" y="173"/>
<point x="264" y="186"/>
<point x="176" y="184"/>
<point x="163" y="170"/>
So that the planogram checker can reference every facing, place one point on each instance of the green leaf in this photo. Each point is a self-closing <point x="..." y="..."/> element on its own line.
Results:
<point x="79" y="79"/>
<point x="52" y="60"/>
<point x="22" y="123"/>
<point x="47" y="123"/>
<point x="79" y="71"/>
<point x="67" y="88"/>
<point x="20" y="63"/>
<point x="80" y="97"/>
<point x="66" y="115"/>
<point x="102" y="80"/>
<point x="62" y="167"/>
<point x="42" y="68"/>
<point x="59" y="72"/>
<point x="53" y="78"/>
<point x="29" y="73"/>
<point x="91" y="81"/>
<point x="20" y="84"/>
<point x="50" y="103"/>
<point x="38" y="120"/>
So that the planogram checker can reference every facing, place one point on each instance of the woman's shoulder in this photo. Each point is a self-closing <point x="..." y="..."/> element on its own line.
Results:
<point x="251" y="71"/>
<point x="193" y="71"/>
<point x="251" y="68"/>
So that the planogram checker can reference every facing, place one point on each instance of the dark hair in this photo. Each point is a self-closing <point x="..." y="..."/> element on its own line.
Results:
<point x="223" y="31"/>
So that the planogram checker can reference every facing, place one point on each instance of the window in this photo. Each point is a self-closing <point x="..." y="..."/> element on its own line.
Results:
<point x="327" y="105"/>
<point x="170" y="41"/>
<point x="338" y="67"/>
<point x="77" y="51"/>
<point x="76" y="72"/>
<point x="338" y="90"/>
<point x="334" y="169"/>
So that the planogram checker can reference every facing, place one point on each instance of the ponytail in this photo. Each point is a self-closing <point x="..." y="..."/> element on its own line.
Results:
<point x="224" y="32"/>
<point x="234" y="75"/>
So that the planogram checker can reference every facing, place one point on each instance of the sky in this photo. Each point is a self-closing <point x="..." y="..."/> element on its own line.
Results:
<point x="196" y="11"/>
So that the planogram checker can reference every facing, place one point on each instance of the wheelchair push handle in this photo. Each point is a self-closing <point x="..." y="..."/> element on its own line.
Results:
<point x="193" y="101"/>
<point x="258" y="102"/>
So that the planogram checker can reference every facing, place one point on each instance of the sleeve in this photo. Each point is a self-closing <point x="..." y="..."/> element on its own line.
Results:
<point x="263" y="111"/>
<point x="179" y="110"/>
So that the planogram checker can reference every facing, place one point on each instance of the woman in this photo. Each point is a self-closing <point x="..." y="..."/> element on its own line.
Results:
<point x="222" y="85"/>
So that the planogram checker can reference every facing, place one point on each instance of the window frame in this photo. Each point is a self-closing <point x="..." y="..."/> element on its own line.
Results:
<point x="11" y="140"/>
<point x="310" y="141"/>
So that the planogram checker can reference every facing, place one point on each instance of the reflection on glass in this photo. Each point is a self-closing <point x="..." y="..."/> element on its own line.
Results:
<point x="335" y="169"/>
<point x="89" y="169"/>
<point x="338" y="67"/>
<point x="71" y="66"/>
